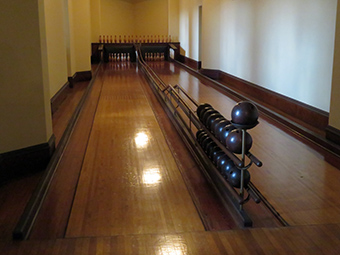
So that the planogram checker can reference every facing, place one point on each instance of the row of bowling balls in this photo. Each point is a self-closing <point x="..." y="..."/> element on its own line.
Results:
<point x="223" y="129"/>
<point x="222" y="162"/>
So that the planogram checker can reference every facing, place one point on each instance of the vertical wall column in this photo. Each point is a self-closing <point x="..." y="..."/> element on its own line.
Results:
<point x="26" y="138"/>
<point x="211" y="34"/>
<point x="333" y="130"/>
<point x="79" y="41"/>
<point x="173" y="19"/>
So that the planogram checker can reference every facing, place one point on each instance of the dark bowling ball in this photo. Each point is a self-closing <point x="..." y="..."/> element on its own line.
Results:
<point x="226" y="130"/>
<point x="206" y="108"/>
<point x="244" y="113"/>
<point x="234" y="141"/>
<point x="205" y="142"/>
<point x="222" y="161"/>
<point x="201" y="107"/>
<point x="214" y="123"/>
<point x="206" y="114"/>
<point x="218" y="126"/>
<point x="213" y="150"/>
<point x="209" y="146"/>
<point x="202" y="139"/>
<point x="234" y="177"/>
<point x="199" y="133"/>
<point x="217" y="155"/>
<point x="227" y="168"/>
<point x="211" y="119"/>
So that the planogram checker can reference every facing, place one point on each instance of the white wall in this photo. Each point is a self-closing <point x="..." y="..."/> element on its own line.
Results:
<point x="188" y="27"/>
<point x="334" y="114"/>
<point x="284" y="46"/>
<point x="211" y="28"/>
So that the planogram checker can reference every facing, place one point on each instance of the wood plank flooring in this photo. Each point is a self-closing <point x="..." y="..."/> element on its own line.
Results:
<point x="316" y="239"/>
<point x="295" y="178"/>
<point x="121" y="190"/>
<point x="129" y="183"/>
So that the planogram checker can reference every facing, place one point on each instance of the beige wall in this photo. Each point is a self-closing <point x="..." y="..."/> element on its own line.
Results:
<point x="80" y="35"/>
<point x="334" y="114"/>
<point x="95" y="19"/>
<point x="116" y="18"/>
<point x="151" y="17"/>
<point x="173" y="19"/>
<point x="56" y="45"/>
<point x="119" y="17"/>
<point x="24" y="98"/>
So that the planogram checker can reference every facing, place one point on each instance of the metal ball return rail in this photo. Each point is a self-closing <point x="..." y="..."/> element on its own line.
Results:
<point x="182" y="110"/>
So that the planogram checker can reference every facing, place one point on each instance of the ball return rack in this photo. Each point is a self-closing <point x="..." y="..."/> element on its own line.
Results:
<point x="179" y="107"/>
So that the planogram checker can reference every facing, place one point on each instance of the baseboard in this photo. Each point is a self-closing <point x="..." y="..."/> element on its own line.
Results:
<point x="333" y="134"/>
<point x="303" y="112"/>
<point x="79" y="76"/>
<point x="196" y="65"/>
<point x="22" y="162"/>
<point x="59" y="97"/>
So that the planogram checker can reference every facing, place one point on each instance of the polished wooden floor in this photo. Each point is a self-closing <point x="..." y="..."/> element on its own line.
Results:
<point x="125" y="186"/>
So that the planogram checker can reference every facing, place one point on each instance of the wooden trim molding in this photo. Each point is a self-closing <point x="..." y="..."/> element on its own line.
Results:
<point x="15" y="164"/>
<point x="59" y="97"/>
<point x="196" y="65"/>
<point x="333" y="134"/>
<point x="79" y="76"/>
<point x="303" y="112"/>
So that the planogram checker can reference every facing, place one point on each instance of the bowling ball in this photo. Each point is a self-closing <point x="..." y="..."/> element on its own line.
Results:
<point x="206" y="114"/>
<point x="226" y="130"/>
<point x="218" y="126"/>
<point x="227" y="168"/>
<point x="211" y="119"/>
<point x="234" y="177"/>
<point x="202" y="137"/>
<point x="234" y="141"/>
<point x="209" y="146"/>
<point x="222" y="161"/>
<point x="206" y="108"/>
<point x="205" y="142"/>
<point x="201" y="107"/>
<point x="244" y="113"/>
<point x="213" y="150"/>
<point x="217" y="155"/>
<point x="214" y="123"/>
<point x="199" y="133"/>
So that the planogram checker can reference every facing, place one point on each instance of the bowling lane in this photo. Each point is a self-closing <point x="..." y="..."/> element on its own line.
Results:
<point x="129" y="182"/>
<point x="295" y="178"/>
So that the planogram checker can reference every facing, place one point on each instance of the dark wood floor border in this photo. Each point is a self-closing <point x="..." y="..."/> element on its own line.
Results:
<point x="333" y="134"/>
<point x="79" y="76"/>
<point x="196" y="65"/>
<point x="306" y="113"/>
<point x="26" y="221"/>
<point x="59" y="97"/>
<point x="22" y="162"/>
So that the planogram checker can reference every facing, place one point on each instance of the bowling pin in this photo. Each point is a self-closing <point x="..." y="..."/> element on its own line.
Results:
<point x="120" y="39"/>
<point x="128" y="57"/>
<point x="100" y="39"/>
<point x="124" y="39"/>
